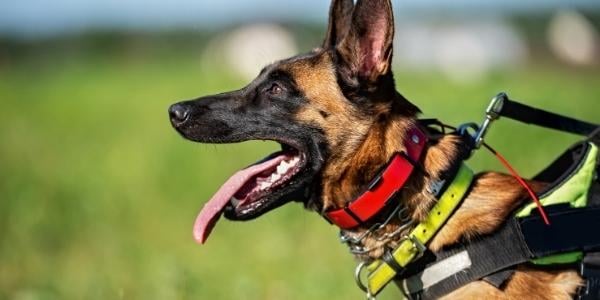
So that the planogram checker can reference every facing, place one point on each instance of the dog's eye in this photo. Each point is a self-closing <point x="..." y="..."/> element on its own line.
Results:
<point x="275" y="89"/>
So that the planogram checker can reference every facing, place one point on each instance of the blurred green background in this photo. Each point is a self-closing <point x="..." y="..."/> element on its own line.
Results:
<point x="98" y="193"/>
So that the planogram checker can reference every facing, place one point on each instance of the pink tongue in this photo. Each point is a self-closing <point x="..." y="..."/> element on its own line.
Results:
<point x="212" y="209"/>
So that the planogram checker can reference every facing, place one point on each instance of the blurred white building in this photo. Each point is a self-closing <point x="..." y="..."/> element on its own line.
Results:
<point x="463" y="51"/>
<point x="573" y="39"/>
<point x="246" y="50"/>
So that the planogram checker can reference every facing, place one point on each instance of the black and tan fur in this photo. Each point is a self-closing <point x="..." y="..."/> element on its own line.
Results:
<point x="338" y="105"/>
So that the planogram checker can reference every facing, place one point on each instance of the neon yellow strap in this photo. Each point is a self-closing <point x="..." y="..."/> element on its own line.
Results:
<point x="575" y="191"/>
<point x="380" y="272"/>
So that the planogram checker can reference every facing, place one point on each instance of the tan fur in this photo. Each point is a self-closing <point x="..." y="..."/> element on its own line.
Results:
<point x="437" y="159"/>
<point x="343" y="125"/>
<point x="361" y="143"/>
<point x="493" y="197"/>
<point x="525" y="284"/>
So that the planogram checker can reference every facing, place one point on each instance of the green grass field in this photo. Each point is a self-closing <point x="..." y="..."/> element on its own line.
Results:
<point x="98" y="193"/>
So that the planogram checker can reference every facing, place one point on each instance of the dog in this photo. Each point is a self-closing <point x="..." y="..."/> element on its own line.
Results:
<point x="338" y="117"/>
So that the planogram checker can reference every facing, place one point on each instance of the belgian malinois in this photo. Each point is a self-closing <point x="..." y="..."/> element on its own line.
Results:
<point x="338" y="117"/>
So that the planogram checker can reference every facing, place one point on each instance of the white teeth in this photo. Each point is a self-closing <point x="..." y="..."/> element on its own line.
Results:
<point x="294" y="160"/>
<point x="281" y="168"/>
<point x="235" y="201"/>
<point x="274" y="177"/>
<point x="290" y="163"/>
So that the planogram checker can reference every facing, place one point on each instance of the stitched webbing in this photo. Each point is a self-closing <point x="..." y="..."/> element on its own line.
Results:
<point x="380" y="272"/>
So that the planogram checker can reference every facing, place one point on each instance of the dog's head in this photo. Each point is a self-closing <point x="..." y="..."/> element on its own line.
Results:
<point x="326" y="109"/>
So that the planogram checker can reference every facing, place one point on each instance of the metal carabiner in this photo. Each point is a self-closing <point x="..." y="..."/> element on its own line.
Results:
<point x="492" y="113"/>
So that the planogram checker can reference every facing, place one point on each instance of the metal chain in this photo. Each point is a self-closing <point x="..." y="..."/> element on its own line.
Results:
<point x="354" y="243"/>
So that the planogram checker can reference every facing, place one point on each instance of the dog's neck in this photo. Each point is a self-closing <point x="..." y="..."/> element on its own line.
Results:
<point x="385" y="138"/>
<point x="347" y="175"/>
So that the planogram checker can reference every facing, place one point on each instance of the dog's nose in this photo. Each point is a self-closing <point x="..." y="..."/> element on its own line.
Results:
<point x="178" y="113"/>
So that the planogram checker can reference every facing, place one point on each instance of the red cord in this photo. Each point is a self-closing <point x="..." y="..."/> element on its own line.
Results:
<point x="521" y="181"/>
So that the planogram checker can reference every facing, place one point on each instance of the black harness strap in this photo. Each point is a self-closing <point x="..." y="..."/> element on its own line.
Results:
<point x="590" y="267"/>
<point x="570" y="231"/>
<point x="595" y="188"/>
<point x="594" y="137"/>
<point x="590" y="270"/>
<point x="493" y="257"/>
<point x="531" y="115"/>
<point x="488" y="254"/>
<point x="499" y="278"/>
<point x="517" y="242"/>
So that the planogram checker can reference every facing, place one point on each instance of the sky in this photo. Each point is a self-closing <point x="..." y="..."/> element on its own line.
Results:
<point x="48" y="17"/>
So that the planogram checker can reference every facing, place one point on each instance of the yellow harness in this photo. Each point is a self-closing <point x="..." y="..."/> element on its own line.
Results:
<point x="535" y="240"/>
<point x="412" y="245"/>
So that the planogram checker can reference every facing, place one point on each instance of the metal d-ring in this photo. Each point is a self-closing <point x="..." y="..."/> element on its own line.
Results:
<point x="357" y="272"/>
<point x="463" y="129"/>
<point x="357" y="279"/>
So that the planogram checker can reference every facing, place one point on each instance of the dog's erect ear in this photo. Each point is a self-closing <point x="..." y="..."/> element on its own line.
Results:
<point x="366" y="50"/>
<point x="340" y="15"/>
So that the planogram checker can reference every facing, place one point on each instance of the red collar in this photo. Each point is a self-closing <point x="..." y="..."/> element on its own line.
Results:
<point x="383" y="187"/>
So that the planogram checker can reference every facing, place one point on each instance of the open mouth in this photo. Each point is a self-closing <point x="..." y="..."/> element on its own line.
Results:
<point x="252" y="191"/>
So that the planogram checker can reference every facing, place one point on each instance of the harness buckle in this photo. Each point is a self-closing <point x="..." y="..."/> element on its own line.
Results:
<point x="417" y="245"/>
